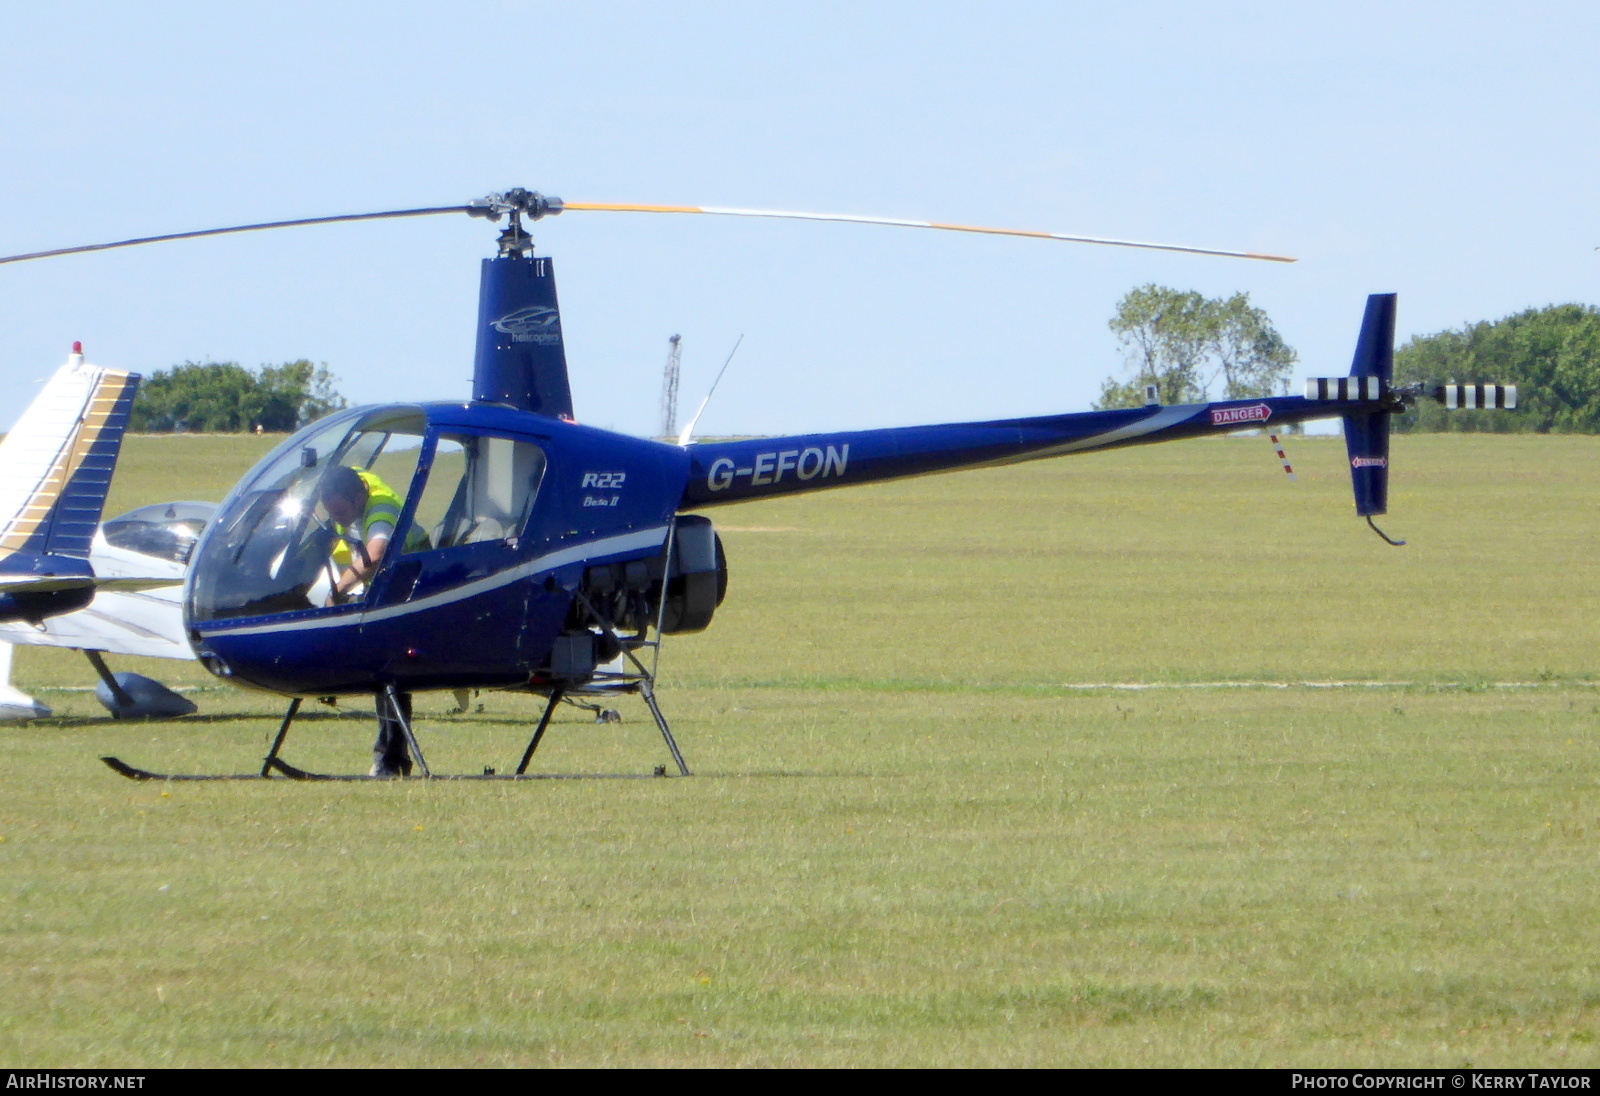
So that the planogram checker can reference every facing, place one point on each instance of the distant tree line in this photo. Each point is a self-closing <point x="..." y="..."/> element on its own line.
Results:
<point x="224" y="397"/>
<point x="1185" y="344"/>
<point x="1194" y="348"/>
<point x="1551" y="354"/>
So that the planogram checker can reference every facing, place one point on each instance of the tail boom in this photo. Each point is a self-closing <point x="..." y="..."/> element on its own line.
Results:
<point x="723" y="472"/>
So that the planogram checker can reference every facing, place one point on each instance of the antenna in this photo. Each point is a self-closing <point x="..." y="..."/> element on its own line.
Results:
<point x="669" y="389"/>
<point x="688" y="431"/>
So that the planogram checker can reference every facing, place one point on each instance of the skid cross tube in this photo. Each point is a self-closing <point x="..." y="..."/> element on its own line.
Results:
<point x="398" y="716"/>
<point x="649" y="694"/>
<point x="544" y="722"/>
<point x="647" y="689"/>
<point x="283" y="731"/>
<point x="646" y="675"/>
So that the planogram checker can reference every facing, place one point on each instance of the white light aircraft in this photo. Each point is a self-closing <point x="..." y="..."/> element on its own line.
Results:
<point x="65" y="581"/>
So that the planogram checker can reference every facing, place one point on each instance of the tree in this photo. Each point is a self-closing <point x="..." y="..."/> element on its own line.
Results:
<point x="1551" y="354"/>
<point x="1183" y="343"/>
<point x="225" y="397"/>
<point x="1252" y="357"/>
<point x="1164" y="333"/>
<point x="322" y="397"/>
<point x="304" y="392"/>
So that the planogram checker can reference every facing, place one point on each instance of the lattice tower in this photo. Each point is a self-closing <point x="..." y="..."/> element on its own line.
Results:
<point x="669" y="389"/>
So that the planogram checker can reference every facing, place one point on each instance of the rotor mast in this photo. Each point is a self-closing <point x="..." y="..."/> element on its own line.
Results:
<point x="521" y="358"/>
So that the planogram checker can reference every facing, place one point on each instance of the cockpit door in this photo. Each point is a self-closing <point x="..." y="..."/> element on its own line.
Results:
<point x="452" y="600"/>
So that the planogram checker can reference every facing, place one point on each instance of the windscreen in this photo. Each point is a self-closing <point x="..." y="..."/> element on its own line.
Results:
<point x="310" y="523"/>
<point x="165" y="530"/>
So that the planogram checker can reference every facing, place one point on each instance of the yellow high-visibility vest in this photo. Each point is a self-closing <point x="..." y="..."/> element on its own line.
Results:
<point x="383" y="505"/>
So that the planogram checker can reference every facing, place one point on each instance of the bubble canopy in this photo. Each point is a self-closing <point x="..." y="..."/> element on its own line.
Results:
<point x="166" y="530"/>
<point x="272" y="540"/>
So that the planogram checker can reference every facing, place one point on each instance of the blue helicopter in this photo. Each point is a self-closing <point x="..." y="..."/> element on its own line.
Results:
<point x="521" y="550"/>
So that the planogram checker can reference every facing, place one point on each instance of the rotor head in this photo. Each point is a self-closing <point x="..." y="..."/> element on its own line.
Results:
<point x="515" y="204"/>
<point x="517" y="200"/>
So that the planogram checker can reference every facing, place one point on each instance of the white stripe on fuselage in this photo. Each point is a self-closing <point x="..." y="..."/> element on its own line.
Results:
<point x="1167" y="416"/>
<point x="606" y="546"/>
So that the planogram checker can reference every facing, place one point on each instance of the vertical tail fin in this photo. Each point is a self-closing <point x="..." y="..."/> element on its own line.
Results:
<point x="521" y="359"/>
<point x="1366" y="436"/>
<point x="57" y="461"/>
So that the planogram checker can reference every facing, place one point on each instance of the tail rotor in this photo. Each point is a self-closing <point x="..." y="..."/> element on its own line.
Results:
<point x="1370" y="389"/>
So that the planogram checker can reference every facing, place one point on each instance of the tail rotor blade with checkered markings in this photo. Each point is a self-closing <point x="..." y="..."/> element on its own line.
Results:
<point x="1370" y="387"/>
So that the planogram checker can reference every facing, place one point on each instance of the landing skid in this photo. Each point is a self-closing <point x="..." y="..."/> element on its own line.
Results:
<point x="132" y="773"/>
<point x="292" y="773"/>
<point x="274" y="766"/>
<point x="640" y="681"/>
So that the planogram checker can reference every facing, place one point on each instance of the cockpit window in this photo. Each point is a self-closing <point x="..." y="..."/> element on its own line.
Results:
<point x="166" y="530"/>
<point x="311" y="526"/>
<point x="479" y="489"/>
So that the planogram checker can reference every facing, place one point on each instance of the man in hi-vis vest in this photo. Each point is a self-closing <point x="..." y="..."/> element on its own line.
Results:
<point x="364" y="511"/>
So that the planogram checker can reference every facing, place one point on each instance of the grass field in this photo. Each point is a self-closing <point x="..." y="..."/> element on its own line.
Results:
<point x="926" y="829"/>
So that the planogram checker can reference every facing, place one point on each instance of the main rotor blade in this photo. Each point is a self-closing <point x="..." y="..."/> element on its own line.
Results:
<point x="614" y="207"/>
<point x="495" y="205"/>
<point x="236" y="228"/>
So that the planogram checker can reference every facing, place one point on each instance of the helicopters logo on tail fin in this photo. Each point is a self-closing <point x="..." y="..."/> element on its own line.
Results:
<point x="536" y="323"/>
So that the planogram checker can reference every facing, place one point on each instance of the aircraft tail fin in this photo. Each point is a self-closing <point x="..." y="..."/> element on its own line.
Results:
<point x="1371" y="384"/>
<point x="56" y="463"/>
<point x="1366" y="435"/>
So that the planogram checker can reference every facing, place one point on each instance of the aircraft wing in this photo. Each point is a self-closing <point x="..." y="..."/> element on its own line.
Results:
<point x="49" y="584"/>
<point x="123" y="624"/>
<point x="138" y="604"/>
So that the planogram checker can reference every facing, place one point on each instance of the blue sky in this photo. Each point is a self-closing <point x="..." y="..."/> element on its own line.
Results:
<point x="1445" y="152"/>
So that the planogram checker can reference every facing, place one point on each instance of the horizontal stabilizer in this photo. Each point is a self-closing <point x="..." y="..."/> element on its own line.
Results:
<point x="49" y="584"/>
<point x="124" y="585"/>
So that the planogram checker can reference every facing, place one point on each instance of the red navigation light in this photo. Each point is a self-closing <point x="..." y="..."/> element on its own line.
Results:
<point x="77" y="348"/>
